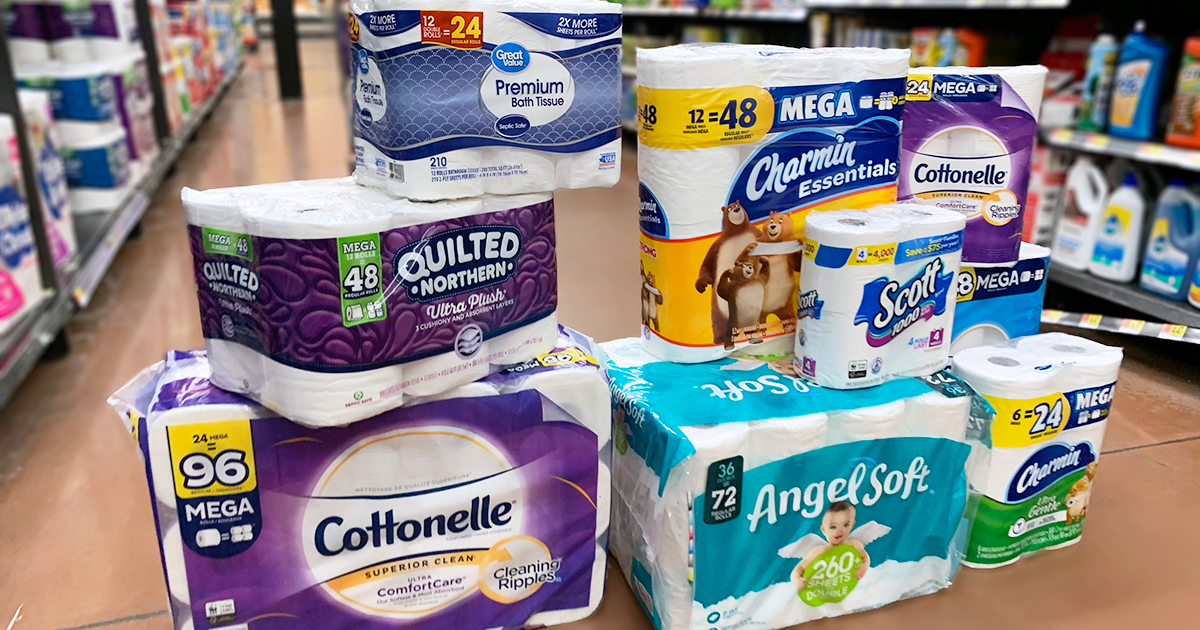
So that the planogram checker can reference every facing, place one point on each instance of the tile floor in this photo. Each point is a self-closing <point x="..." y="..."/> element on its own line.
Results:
<point x="77" y="545"/>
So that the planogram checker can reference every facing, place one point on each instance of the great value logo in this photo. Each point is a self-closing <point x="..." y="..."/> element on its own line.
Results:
<point x="888" y="307"/>
<point x="457" y="261"/>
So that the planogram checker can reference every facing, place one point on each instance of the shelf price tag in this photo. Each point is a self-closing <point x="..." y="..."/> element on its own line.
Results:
<point x="1132" y="326"/>
<point x="1062" y="135"/>
<point x="1151" y="150"/>
<point x="456" y="29"/>
<point x="1172" y="331"/>
<point x="701" y="119"/>
<point x="1052" y="316"/>
<point x="1090" y="320"/>
<point x="1096" y="141"/>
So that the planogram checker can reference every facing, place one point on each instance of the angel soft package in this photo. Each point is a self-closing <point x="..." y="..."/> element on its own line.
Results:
<point x="458" y="98"/>
<point x="486" y="509"/>
<point x="877" y="294"/>
<point x="736" y="145"/>
<point x="1052" y="395"/>
<point x="329" y="302"/>
<point x="969" y="135"/>
<point x="746" y="497"/>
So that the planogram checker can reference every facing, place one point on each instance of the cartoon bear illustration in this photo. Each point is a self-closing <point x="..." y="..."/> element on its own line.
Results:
<point x="651" y="299"/>
<point x="743" y="288"/>
<point x="737" y="232"/>
<point x="1080" y="495"/>
<point x="780" y="298"/>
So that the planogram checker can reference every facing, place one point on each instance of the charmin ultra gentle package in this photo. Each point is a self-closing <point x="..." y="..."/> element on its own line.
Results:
<point x="487" y="507"/>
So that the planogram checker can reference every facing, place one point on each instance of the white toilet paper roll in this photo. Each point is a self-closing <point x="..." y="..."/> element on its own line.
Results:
<point x="114" y="29"/>
<point x="581" y="169"/>
<point x="780" y="438"/>
<point x="579" y="391"/>
<point x="833" y="350"/>
<point x="177" y="581"/>
<point x="1085" y="363"/>
<point x="67" y="25"/>
<point x="1003" y="372"/>
<point x="27" y="37"/>
<point x="867" y="423"/>
<point x="936" y="415"/>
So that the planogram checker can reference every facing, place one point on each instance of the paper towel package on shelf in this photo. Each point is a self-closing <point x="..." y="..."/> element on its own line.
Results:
<point x="1052" y="395"/>
<point x="828" y="502"/>
<point x="114" y="31"/>
<point x="51" y="175"/>
<point x="877" y="294"/>
<point x="96" y="161"/>
<point x="134" y="104"/>
<point x="329" y="302"/>
<point x="480" y="511"/>
<point x="20" y="276"/>
<point x="463" y="98"/>
<point x="969" y="135"/>
<point x="25" y="25"/>
<point x="996" y="304"/>
<point x="736" y="145"/>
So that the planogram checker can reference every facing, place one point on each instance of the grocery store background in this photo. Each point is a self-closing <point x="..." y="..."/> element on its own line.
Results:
<point x="226" y="94"/>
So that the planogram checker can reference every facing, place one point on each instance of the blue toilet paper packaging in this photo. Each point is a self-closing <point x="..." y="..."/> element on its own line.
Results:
<point x="459" y="99"/>
<point x="996" y="304"/>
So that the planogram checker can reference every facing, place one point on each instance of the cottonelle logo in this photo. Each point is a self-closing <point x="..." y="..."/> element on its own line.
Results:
<point x="967" y="169"/>
<point x="445" y="522"/>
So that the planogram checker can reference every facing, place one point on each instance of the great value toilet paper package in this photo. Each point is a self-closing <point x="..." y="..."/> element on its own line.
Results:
<point x="996" y="304"/>
<point x="877" y="293"/>
<point x="330" y="302"/>
<point x="746" y="497"/>
<point x="484" y="510"/>
<point x="461" y="98"/>
<point x="1052" y="395"/>
<point x="969" y="135"/>
<point x="737" y="144"/>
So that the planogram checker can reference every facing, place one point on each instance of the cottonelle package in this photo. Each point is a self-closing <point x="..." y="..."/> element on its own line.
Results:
<point x="969" y="135"/>
<point x="996" y="304"/>
<point x="904" y="257"/>
<point x="746" y="497"/>
<point x="329" y="302"/>
<point x="486" y="510"/>
<point x="1052" y="395"/>
<point x="736" y="145"/>
<point x="458" y="98"/>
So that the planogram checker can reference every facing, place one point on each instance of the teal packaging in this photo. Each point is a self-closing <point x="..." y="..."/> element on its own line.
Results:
<point x="1173" y="246"/>
<point x="827" y="502"/>
<point x="1137" y="86"/>
<point x="1097" y="83"/>
<point x="996" y="304"/>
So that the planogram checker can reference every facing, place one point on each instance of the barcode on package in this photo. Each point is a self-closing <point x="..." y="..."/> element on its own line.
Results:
<point x="396" y="172"/>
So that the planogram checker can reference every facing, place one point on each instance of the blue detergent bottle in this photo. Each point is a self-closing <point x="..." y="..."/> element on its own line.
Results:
<point x="1137" y="86"/>
<point x="1173" y="247"/>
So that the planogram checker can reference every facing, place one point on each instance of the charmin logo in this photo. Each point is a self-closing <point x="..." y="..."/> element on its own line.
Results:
<point x="457" y="261"/>
<point x="889" y="308"/>
<point x="807" y="305"/>
<point x="1047" y="466"/>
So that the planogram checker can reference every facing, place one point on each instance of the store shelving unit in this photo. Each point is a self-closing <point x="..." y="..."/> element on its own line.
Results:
<point x="100" y="237"/>
<point x="1127" y="295"/>
<point x="1138" y="150"/>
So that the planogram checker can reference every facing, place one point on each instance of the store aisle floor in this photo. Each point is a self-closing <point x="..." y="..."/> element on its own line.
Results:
<point x="77" y="547"/>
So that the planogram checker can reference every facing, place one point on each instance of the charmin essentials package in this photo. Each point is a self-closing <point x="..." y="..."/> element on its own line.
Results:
<point x="996" y="304"/>
<point x="488" y="508"/>
<point x="877" y="291"/>
<point x="828" y="502"/>
<point x="969" y="135"/>
<point x="1052" y="395"/>
<point x="461" y="98"/>
<point x="329" y="302"/>
<point x="737" y="144"/>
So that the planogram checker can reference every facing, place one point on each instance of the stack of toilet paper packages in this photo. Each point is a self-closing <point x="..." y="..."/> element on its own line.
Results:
<point x="996" y="304"/>
<point x="51" y="175"/>
<point x="20" y="276"/>
<point x="94" y="145"/>
<point x="134" y="104"/>
<point x="969" y="136"/>
<point x="1052" y="395"/>
<point x="70" y="30"/>
<point x="877" y="294"/>
<point x="487" y="508"/>
<point x="329" y="302"/>
<point x="458" y="98"/>
<point x="746" y="497"/>
<point x="737" y="145"/>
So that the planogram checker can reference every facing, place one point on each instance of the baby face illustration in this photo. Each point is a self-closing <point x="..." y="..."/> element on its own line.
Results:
<point x="836" y="526"/>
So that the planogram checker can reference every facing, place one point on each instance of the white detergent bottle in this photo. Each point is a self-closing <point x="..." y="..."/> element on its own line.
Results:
<point x="1082" y="202"/>
<point x="1117" y="246"/>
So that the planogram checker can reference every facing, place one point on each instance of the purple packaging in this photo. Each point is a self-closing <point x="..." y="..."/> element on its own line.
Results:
<point x="967" y="145"/>
<point x="327" y="302"/>
<point x="479" y="511"/>
<point x="23" y="20"/>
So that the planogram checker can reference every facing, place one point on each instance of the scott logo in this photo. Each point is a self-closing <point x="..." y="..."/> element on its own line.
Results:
<point x="807" y="305"/>
<point x="889" y="308"/>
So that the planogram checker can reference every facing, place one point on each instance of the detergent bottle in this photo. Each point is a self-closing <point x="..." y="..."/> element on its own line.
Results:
<point x="1173" y="246"/>
<point x="1118" y="242"/>
<point x="1082" y="202"/>
<point x="1097" y="83"/>
<point x="1137" y="87"/>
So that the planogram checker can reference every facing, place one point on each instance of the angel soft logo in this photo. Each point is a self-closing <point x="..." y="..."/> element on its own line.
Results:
<point x="457" y="261"/>
<point x="888" y="308"/>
